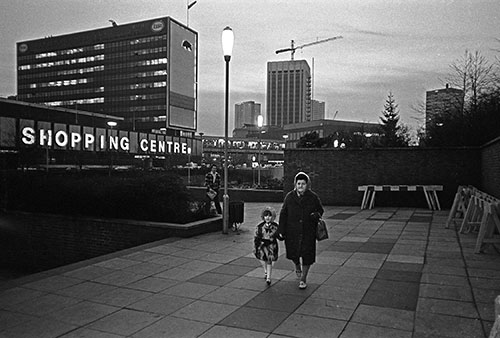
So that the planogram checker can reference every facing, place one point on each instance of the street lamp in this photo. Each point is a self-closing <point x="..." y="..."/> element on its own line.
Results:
<point x="253" y="171"/>
<point x="260" y="122"/>
<point x="189" y="165"/>
<point x="111" y="125"/>
<point x="227" y="48"/>
<point x="201" y="137"/>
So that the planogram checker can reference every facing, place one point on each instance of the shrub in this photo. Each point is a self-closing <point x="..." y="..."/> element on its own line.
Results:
<point x="160" y="197"/>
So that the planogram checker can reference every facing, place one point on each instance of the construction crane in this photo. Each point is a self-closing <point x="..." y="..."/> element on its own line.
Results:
<point x="293" y="48"/>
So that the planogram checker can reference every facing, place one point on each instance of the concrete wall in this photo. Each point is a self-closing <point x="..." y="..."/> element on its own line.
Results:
<point x="336" y="173"/>
<point x="44" y="241"/>
<point x="490" y="164"/>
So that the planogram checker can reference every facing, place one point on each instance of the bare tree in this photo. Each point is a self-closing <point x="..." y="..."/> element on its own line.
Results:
<point x="472" y="73"/>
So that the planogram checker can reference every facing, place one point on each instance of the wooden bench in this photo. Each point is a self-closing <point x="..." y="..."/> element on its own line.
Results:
<point x="430" y="192"/>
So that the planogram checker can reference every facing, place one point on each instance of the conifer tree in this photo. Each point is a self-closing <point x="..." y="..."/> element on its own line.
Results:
<point x="394" y="134"/>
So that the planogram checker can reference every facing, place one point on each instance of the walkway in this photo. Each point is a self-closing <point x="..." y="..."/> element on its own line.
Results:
<point x="383" y="273"/>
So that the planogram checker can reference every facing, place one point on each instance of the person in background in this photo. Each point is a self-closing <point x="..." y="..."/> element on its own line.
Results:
<point x="299" y="216"/>
<point x="212" y="183"/>
<point x="265" y="242"/>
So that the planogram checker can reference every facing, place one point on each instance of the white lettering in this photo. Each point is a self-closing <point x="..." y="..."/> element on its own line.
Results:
<point x="89" y="140"/>
<point x="75" y="139"/>
<point x="144" y="145"/>
<point x="28" y="135"/>
<point x="161" y="146"/>
<point x="113" y="142"/>
<point x="125" y="143"/>
<point x="45" y="137"/>
<point x="61" y="138"/>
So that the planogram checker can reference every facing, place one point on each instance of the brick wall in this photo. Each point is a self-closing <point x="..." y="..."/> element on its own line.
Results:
<point x="336" y="174"/>
<point x="490" y="164"/>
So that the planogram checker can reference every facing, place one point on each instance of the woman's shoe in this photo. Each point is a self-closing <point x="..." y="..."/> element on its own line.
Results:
<point x="302" y="285"/>
<point x="268" y="281"/>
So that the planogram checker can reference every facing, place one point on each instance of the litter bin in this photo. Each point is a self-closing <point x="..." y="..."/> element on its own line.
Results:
<point x="236" y="213"/>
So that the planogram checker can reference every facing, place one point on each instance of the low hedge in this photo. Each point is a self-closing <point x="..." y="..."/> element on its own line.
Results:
<point x="147" y="196"/>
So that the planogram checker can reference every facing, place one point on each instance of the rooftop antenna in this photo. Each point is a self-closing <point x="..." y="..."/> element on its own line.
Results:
<point x="188" y="7"/>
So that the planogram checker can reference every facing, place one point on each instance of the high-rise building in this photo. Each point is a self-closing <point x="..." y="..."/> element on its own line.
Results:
<point x="145" y="72"/>
<point x="288" y="92"/>
<point x="246" y="113"/>
<point x="318" y="110"/>
<point x="442" y="103"/>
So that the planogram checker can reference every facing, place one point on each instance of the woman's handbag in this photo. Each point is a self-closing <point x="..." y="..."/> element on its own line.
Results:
<point x="211" y="194"/>
<point x="321" y="230"/>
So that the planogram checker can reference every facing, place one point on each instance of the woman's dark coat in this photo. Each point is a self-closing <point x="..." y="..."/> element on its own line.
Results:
<point x="298" y="226"/>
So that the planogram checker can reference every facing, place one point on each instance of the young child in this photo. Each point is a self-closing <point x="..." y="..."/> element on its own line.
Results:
<point x="265" y="242"/>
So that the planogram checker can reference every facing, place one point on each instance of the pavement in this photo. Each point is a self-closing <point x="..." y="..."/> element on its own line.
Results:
<point x="385" y="272"/>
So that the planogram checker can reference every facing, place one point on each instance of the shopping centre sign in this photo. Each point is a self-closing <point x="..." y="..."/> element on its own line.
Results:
<point x="90" y="142"/>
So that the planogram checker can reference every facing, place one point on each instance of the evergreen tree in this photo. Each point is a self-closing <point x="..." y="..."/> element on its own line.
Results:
<point x="394" y="134"/>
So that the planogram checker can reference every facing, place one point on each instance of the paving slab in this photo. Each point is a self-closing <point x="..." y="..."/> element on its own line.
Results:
<point x="356" y="330"/>
<point x="248" y="317"/>
<point x="447" y="326"/>
<point x="304" y="326"/>
<point x="384" y="317"/>
<point x="173" y="327"/>
<point x="388" y="272"/>
<point x="125" y="322"/>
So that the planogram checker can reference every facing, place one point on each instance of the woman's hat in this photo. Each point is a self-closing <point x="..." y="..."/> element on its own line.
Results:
<point x="301" y="176"/>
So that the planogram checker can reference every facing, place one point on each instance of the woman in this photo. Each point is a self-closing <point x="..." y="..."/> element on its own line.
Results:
<point x="297" y="226"/>
<point x="212" y="182"/>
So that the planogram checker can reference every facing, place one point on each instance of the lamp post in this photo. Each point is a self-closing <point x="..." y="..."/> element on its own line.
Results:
<point x="189" y="165"/>
<point x="260" y="122"/>
<point x="111" y="125"/>
<point x="227" y="48"/>
<point x="201" y="137"/>
<point x="253" y="172"/>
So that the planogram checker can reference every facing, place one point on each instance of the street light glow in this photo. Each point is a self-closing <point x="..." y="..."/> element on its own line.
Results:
<point x="227" y="42"/>
<point x="260" y="121"/>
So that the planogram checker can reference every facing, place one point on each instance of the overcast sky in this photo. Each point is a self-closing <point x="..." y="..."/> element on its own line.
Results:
<point x="402" y="46"/>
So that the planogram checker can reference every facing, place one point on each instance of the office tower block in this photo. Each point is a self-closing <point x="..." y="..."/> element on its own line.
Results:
<point x="245" y="113"/>
<point x="288" y="92"/>
<point x="145" y="72"/>
<point x="318" y="110"/>
<point x="440" y="104"/>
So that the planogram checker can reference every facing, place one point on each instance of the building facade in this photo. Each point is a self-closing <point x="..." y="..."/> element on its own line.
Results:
<point x="245" y="113"/>
<point x="145" y="72"/>
<point x="38" y="136"/>
<point x="318" y="110"/>
<point x="288" y="92"/>
<point x="441" y="103"/>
